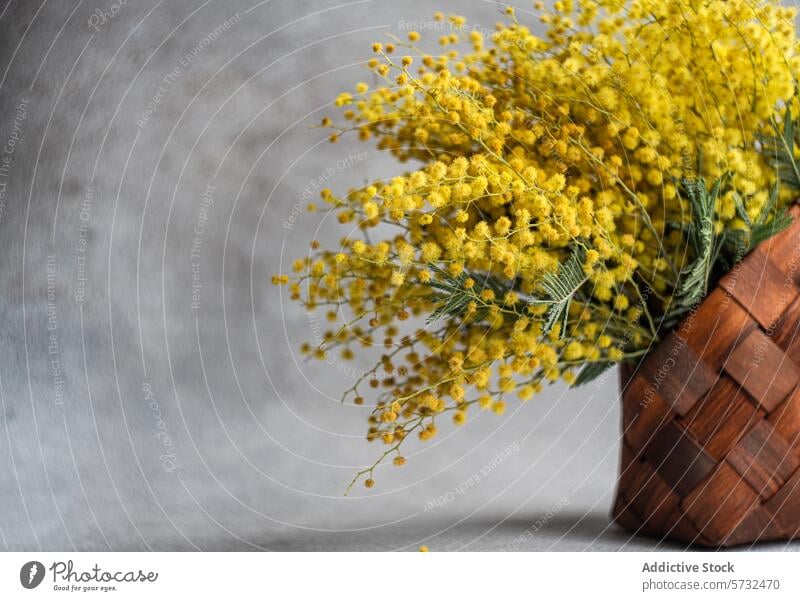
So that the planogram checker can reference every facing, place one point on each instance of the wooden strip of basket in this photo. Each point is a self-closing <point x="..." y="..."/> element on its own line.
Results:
<point x="711" y="418"/>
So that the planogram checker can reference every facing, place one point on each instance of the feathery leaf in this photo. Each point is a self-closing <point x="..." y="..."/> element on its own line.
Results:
<point x="779" y="149"/>
<point x="561" y="288"/>
<point x="694" y="278"/>
<point x="453" y="296"/>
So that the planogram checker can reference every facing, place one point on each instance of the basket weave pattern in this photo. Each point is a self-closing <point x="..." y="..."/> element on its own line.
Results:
<point x="711" y="418"/>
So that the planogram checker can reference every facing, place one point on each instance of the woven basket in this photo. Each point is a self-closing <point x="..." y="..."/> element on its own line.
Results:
<point x="711" y="418"/>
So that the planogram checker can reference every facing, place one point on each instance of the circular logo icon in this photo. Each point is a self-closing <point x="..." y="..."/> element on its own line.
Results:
<point x="31" y="574"/>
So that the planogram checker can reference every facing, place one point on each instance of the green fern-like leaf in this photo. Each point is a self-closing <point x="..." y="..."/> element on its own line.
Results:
<point x="779" y="149"/>
<point x="694" y="278"/>
<point x="454" y="298"/>
<point x="560" y="288"/>
<point x="451" y="294"/>
<point x="768" y="223"/>
<point x="776" y="225"/>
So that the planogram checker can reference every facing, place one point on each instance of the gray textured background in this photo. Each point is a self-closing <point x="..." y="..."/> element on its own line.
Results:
<point x="239" y="443"/>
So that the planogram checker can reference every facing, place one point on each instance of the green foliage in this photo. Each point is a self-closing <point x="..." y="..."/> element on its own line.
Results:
<point x="451" y="294"/>
<point x="694" y="278"/>
<point x="716" y="254"/>
<point x="780" y="150"/>
<point x="560" y="288"/>
<point x="454" y="298"/>
<point x="768" y="223"/>
<point x="590" y="371"/>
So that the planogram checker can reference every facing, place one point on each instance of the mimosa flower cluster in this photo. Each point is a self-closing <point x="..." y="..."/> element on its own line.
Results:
<point x="544" y="227"/>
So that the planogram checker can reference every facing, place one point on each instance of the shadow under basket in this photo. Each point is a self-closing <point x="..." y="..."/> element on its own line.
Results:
<point x="711" y="417"/>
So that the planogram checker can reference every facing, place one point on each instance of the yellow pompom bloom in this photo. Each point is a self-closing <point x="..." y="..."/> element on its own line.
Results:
<point x="397" y="279"/>
<point x="370" y="210"/>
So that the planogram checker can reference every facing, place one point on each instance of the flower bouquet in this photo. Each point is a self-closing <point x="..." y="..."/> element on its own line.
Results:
<point x="603" y="192"/>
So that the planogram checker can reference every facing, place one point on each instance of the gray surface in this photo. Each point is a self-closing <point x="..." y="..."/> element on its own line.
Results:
<point x="263" y="449"/>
